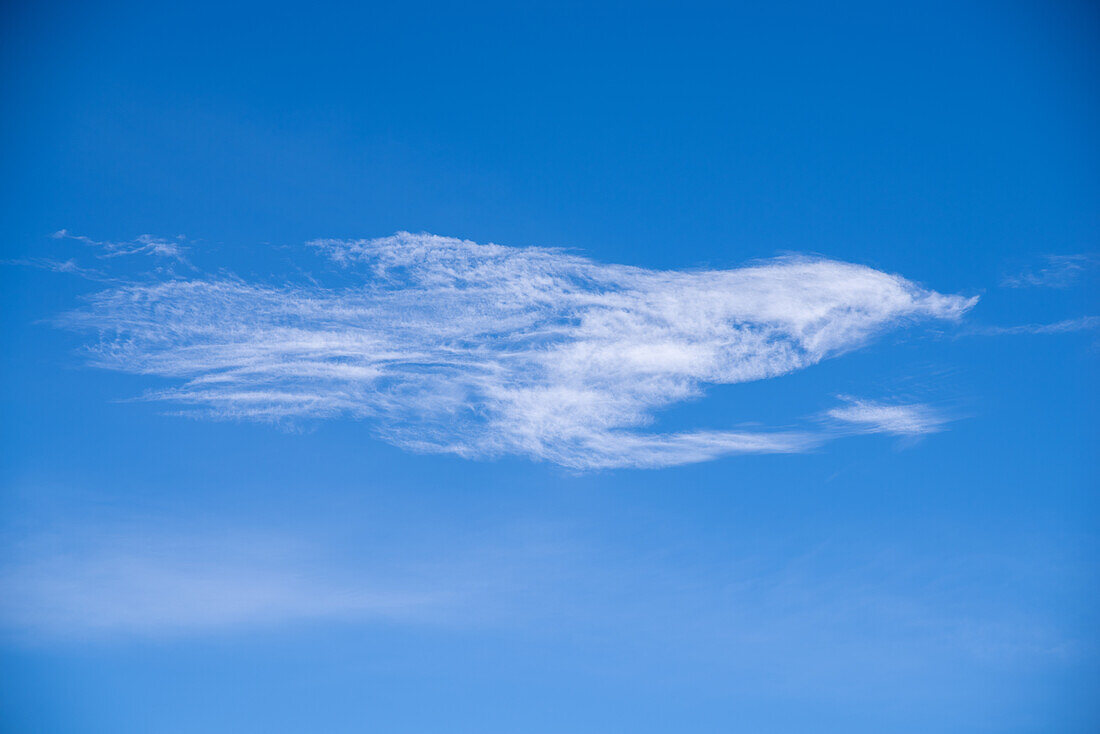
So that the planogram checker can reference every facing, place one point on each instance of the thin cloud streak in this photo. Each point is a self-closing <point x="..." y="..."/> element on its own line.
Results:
<point x="450" y="346"/>
<point x="69" y="267"/>
<point x="1067" y="326"/>
<point x="914" y="419"/>
<point x="1057" y="271"/>
<point x="145" y="244"/>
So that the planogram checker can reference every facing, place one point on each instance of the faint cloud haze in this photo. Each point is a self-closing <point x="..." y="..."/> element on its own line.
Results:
<point x="1055" y="271"/>
<point x="1066" y="326"/>
<point x="160" y="581"/>
<point x="142" y="583"/>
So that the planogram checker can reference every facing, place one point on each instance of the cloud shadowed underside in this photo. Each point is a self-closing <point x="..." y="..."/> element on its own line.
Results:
<point x="450" y="346"/>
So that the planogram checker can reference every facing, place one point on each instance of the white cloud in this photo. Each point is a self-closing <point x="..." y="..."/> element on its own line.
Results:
<point x="450" y="346"/>
<point x="914" y="419"/>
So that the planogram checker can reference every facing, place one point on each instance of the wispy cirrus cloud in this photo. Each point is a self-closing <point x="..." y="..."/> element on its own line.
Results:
<point x="911" y="419"/>
<point x="68" y="266"/>
<point x="1054" y="271"/>
<point x="1066" y="326"/>
<point x="446" y="345"/>
<point x="145" y="244"/>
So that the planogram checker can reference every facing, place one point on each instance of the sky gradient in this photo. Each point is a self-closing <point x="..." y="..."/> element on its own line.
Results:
<point x="564" y="368"/>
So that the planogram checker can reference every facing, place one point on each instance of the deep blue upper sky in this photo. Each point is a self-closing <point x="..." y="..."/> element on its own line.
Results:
<point x="168" y="573"/>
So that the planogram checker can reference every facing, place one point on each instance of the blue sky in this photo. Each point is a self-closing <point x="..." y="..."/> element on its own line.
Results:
<point x="564" y="368"/>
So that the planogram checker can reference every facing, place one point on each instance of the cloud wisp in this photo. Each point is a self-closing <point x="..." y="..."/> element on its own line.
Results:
<point x="1056" y="271"/>
<point x="446" y="345"/>
<point x="1066" y="326"/>
<point x="915" y="419"/>
<point x="145" y="244"/>
<point x="54" y="265"/>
